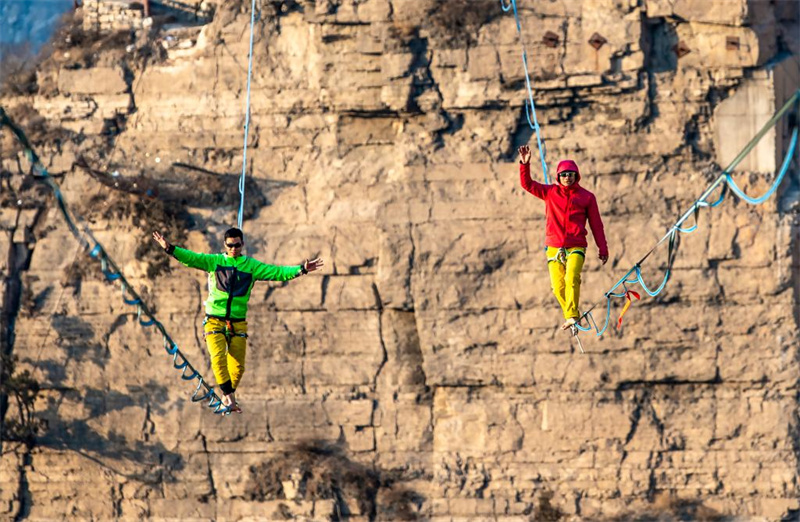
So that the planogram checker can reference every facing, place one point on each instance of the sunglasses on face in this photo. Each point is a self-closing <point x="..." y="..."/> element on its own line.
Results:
<point x="233" y="245"/>
<point x="567" y="174"/>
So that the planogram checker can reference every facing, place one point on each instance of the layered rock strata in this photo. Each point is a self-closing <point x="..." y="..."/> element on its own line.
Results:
<point x="422" y="374"/>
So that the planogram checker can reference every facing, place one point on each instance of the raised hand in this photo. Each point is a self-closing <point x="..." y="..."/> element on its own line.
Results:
<point x="163" y="243"/>
<point x="312" y="264"/>
<point x="524" y="154"/>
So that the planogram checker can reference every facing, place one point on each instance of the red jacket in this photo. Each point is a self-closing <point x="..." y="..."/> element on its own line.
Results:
<point x="567" y="209"/>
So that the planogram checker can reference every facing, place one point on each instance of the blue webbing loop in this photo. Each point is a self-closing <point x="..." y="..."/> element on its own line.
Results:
<point x="95" y="251"/>
<point x="176" y="364"/>
<point x="512" y="5"/>
<point x="787" y="160"/>
<point x="189" y="377"/>
<point x="200" y="383"/>
<point x="697" y="205"/>
<point x="139" y="312"/>
<point x="134" y="301"/>
<point x="703" y="203"/>
<point x="216" y="403"/>
<point x="589" y="319"/>
<point x="644" y="286"/>
<point x="110" y="275"/>
<point x="170" y="347"/>
<point x="589" y="315"/>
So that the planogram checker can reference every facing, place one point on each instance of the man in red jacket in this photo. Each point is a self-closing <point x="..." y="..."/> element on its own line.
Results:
<point x="567" y="207"/>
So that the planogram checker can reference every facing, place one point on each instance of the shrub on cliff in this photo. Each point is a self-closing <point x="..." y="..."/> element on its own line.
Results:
<point x="18" y="389"/>
<point x="456" y="23"/>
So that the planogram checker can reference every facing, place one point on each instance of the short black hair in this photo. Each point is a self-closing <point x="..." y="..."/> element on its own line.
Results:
<point x="234" y="232"/>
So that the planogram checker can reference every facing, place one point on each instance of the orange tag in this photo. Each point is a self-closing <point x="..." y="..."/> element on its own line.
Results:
<point x="628" y="295"/>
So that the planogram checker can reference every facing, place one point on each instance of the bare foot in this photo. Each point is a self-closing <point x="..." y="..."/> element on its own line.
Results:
<point x="569" y="322"/>
<point x="230" y="403"/>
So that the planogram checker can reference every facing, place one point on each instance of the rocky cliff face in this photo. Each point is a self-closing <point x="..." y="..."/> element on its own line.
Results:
<point x="421" y="376"/>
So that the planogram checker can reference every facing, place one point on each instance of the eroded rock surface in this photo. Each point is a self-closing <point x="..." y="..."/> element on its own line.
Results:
<point x="422" y="374"/>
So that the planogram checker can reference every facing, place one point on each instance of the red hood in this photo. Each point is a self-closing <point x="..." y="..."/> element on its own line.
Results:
<point x="568" y="164"/>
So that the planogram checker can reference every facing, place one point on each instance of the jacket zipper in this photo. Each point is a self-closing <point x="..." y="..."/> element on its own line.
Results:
<point x="230" y="295"/>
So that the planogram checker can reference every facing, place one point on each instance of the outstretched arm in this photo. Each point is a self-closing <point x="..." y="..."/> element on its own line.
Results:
<point x="537" y="189"/>
<point x="207" y="262"/>
<point x="596" y="224"/>
<point x="266" y="272"/>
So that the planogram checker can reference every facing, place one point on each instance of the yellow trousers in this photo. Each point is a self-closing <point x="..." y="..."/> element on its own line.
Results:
<point x="227" y="349"/>
<point x="565" y="265"/>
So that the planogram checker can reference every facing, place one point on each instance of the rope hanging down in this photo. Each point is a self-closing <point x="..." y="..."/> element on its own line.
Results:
<point x="246" y="115"/>
<point x="112" y="273"/>
<point x="634" y="275"/>
<point x="530" y="107"/>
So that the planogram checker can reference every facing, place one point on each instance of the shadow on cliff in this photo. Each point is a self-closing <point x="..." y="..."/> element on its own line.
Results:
<point x="82" y="351"/>
<point x="78" y="342"/>
<point x="322" y="471"/>
<point x="795" y="432"/>
<point x="76" y="417"/>
<point x="111" y="448"/>
<point x="667" y="509"/>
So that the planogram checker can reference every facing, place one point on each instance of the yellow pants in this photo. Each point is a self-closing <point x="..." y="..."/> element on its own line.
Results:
<point x="227" y="349"/>
<point x="565" y="277"/>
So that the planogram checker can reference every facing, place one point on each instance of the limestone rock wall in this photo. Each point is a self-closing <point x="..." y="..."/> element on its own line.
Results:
<point x="421" y="375"/>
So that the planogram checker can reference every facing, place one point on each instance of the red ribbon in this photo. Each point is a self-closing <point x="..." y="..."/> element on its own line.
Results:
<point x="628" y="295"/>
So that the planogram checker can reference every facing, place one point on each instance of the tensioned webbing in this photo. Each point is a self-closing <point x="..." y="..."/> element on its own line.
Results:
<point x="112" y="273"/>
<point x="725" y="181"/>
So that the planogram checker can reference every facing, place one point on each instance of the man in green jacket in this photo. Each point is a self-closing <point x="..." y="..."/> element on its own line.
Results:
<point x="231" y="277"/>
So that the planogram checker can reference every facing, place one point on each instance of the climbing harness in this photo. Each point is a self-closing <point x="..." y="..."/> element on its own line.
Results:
<point x="247" y="115"/>
<point x="530" y="106"/>
<point x="228" y="331"/>
<point x="563" y="253"/>
<point x="724" y="182"/>
<point x="112" y="273"/>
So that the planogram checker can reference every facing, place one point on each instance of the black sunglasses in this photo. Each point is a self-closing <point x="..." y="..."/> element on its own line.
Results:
<point x="566" y="173"/>
<point x="233" y="245"/>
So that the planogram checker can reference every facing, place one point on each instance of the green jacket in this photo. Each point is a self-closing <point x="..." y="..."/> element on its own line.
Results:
<point x="230" y="279"/>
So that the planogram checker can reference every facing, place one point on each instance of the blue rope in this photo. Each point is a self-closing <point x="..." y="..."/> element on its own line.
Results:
<point x="112" y="273"/>
<point x="127" y="301"/>
<point x="699" y="203"/>
<point x="530" y="106"/>
<point x="702" y="203"/>
<point x="651" y="293"/>
<point x="246" y="116"/>
<point x="592" y="322"/>
<point x="784" y="168"/>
